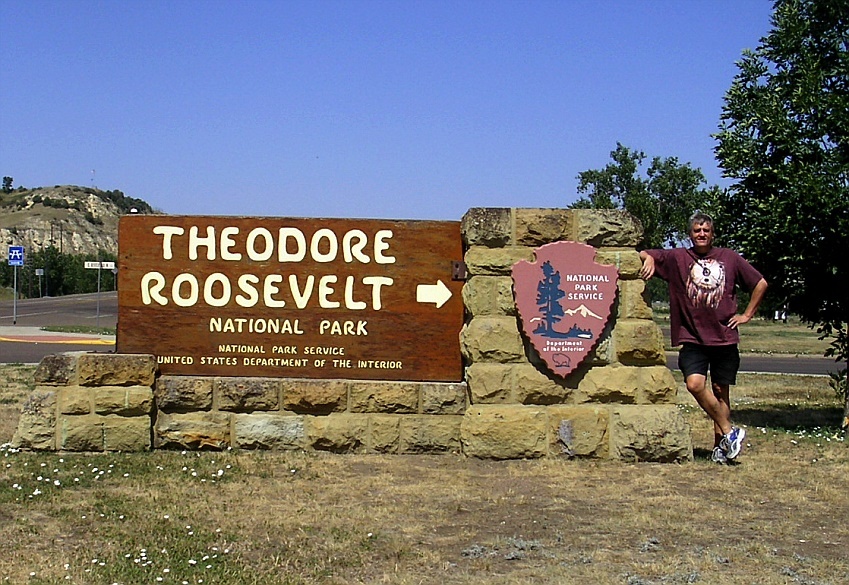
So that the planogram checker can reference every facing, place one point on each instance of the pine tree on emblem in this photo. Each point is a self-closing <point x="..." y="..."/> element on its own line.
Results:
<point x="548" y="300"/>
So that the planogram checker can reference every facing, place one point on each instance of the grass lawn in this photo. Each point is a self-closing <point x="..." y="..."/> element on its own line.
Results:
<point x="81" y="329"/>
<point x="768" y="337"/>
<point x="777" y="517"/>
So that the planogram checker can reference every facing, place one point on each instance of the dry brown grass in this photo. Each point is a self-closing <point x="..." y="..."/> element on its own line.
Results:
<point x="779" y="517"/>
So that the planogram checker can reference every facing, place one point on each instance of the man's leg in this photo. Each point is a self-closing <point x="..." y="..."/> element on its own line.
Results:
<point x="722" y="393"/>
<point x="716" y="410"/>
<point x="694" y="361"/>
<point x="724" y="365"/>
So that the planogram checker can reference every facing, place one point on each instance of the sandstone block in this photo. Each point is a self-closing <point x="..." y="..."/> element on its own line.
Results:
<point x="183" y="393"/>
<point x="120" y="369"/>
<point x="387" y="397"/>
<point x="531" y="386"/>
<point x="630" y="385"/>
<point x="126" y="434"/>
<point x="268" y="431"/>
<point x="490" y="383"/>
<point x="482" y="261"/>
<point x="606" y="228"/>
<point x="246" y="394"/>
<point x="657" y="386"/>
<point x="384" y="433"/>
<point x="504" y="432"/>
<point x="627" y="262"/>
<point x="339" y="433"/>
<point x="316" y="397"/>
<point x="638" y="341"/>
<point x="123" y="401"/>
<point x="492" y="339"/>
<point x="430" y="434"/>
<point x="37" y="424"/>
<point x="535" y="227"/>
<point x="650" y="433"/>
<point x="602" y="353"/>
<point x="614" y="383"/>
<point x="633" y="301"/>
<point x="194" y="430"/>
<point x="75" y="400"/>
<point x="81" y="433"/>
<point x="578" y="431"/>
<point x="489" y="295"/>
<point x="437" y="398"/>
<point x="487" y="226"/>
<point x="59" y="369"/>
<point x="139" y="401"/>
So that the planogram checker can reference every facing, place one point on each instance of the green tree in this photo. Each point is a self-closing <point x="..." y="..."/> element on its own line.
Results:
<point x="662" y="199"/>
<point x="784" y="138"/>
<point x="64" y="274"/>
<point x="7" y="184"/>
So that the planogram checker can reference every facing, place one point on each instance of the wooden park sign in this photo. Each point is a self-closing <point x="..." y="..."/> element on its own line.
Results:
<point x="303" y="298"/>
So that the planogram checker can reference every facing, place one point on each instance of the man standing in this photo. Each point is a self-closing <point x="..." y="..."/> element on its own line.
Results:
<point x="704" y="320"/>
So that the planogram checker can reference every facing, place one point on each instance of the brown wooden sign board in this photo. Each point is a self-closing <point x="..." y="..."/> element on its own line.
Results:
<point x="301" y="298"/>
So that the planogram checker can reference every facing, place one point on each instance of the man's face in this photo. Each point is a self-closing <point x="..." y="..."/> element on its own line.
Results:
<point x="702" y="235"/>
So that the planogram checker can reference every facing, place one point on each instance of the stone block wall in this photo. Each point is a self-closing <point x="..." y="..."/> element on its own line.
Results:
<point x="619" y="404"/>
<point x="328" y="415"/>
<point x="89" y="402"/>
<point x="116" y="402"/>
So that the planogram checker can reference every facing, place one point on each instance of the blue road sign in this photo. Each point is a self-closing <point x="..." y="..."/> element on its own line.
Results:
<point x="16" y="255"/>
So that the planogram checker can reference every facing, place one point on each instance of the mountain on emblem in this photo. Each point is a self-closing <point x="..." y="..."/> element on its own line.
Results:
<point x="582" y="311"/>
<point x="564" y="300"/>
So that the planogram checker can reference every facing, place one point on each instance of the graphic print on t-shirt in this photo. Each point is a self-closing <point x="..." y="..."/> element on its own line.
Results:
<point x="705" y="283"/>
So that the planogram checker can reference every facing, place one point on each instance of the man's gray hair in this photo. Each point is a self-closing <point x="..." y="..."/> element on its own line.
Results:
<point x="699" y="218"/>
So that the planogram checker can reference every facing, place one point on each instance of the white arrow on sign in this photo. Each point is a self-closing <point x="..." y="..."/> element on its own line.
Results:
<point x="433" y="293"/>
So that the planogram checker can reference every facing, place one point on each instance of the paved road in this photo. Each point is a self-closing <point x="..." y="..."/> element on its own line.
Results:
<point x="810" y="365"/>
<point x="21" y="338"/>
<point x="68" y="310"/>
<point x="774" y="364"/>
<point x="31" y="344"/>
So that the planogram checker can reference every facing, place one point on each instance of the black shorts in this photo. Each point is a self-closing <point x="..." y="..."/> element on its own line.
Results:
<point x="723" y="361"/>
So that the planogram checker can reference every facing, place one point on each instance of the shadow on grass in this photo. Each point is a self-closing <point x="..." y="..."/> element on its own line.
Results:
<point x="788" y="417"/>
<point x="706" y="454"/>
<point x="783" y="417"/>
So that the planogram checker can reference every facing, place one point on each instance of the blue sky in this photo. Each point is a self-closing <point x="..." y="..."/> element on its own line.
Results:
<point x="379" y="109"/>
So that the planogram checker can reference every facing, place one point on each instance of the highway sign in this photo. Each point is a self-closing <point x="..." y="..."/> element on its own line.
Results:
<point x="16" y="255"/>
<point x="100" y="265"/>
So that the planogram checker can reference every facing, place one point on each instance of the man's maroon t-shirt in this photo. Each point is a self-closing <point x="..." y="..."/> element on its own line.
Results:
<point x="702" y="294"/>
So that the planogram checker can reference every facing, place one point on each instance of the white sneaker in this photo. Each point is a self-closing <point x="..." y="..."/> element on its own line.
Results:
<point x="732" y="443"/>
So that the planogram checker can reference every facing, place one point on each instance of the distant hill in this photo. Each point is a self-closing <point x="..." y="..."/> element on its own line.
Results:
<point x="77" y="220"/>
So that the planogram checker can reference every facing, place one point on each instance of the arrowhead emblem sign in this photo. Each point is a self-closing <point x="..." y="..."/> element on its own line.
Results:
<point x="564" y="300"/>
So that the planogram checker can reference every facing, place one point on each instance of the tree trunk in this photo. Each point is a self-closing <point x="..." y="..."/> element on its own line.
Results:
<point x="845" y="425"/>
